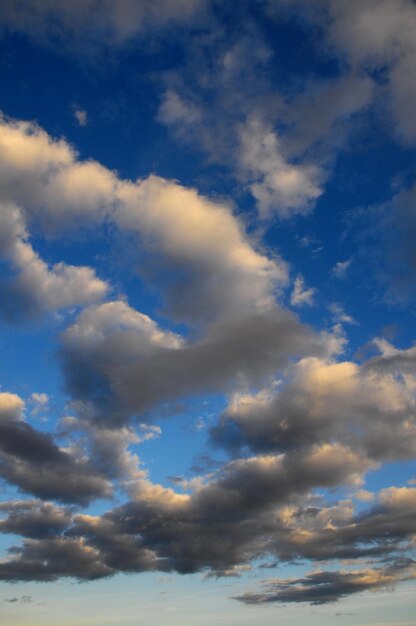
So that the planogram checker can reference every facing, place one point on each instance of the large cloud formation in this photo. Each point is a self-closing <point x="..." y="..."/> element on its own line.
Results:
<point x="220" y="271"/>
<point x="300" y="421"/>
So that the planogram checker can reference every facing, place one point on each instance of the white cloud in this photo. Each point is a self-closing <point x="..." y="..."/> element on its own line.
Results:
<point x="340" y="316"/>
<point x="40" y="403"/>
<point x="33" y="286"/>
<point x="278" y="185"/>
<point x="221" y="272"/>
<point x="301" y="295"/>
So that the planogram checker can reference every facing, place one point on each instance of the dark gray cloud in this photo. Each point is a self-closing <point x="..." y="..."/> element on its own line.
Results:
<point x="224" y="524"/>
<point x="47" y="560"/>
<point x="34" y="519"/>
<point x="370" y="407"/>
<point x="121" y="363"/>
<point x="256" y="508"/>
<point x="31" y="460"/>
<point x="338" y="533"/>
<point x="329" y="586"/>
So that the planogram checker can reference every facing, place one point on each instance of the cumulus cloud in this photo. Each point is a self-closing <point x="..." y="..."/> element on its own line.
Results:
<point x="251" y="508"/>
<point x="277" y="181"/>
<point x="33" y="518"/>
<point x="31" y="287"/>
<point x="48" y="560"/>
<point x="371" y="407"/>
<point x="31" y="460"/>
<point x="321" y="427"/>
<point x="219" y="269"/>
<point x="45" y="180"/>
<point x="282" y="142"/>
<point x="123" y="363"/>
<point x="171" y="532"/>
<point x="278" y="185"/>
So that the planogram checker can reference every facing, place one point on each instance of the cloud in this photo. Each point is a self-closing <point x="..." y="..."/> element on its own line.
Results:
<point x="31" y="287"/>
<point x="326" y="112"/>
<point x="32" y="461"/>
<point x="34" y="519"/>
<point x="47" y="560"/>
<point x="196" y="242"/>
<point x="171" y="532"/>
<point x="253" y="507"/>
<point x="379" y="35"/>
<point x="278" y="185"/>
<point x="40" y="403"/>
<point x="300" y="295"/>
<point x="278" y="182"/>
<point x="174" y="111"/>
<point x="11" y="406"/>
<point x="328" y="586"/>
<point x="81" y="117"/>
<point x="370" y="407"/>
<point x="108" y="448"/>
<point x="22" y="600"/>
<point x="279" y="139"/>
<point x="324" y="533"/>
<point x="219" y="270"/>
<point x="339" y="315"/>
<point x="321" y="427"/>
<point x="86" y="25"/>
<point x="341" y="268"/>
<point x="376" y="38"/>
<point x="44" y="179"/>
<point x="111" y="347"/>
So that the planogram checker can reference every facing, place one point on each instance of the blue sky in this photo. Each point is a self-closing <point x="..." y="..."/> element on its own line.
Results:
<point x="207" y="366"/>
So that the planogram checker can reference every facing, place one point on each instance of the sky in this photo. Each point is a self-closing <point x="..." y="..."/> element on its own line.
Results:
<point x="207" y="312"/>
